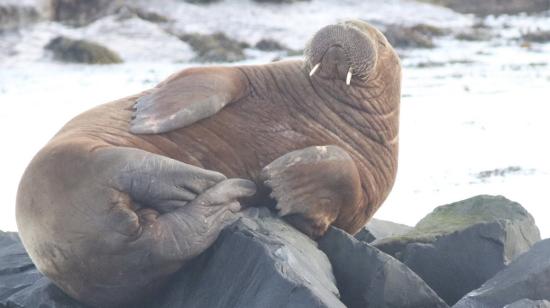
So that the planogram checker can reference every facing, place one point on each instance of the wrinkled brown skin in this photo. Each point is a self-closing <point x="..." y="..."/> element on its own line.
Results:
<point x="107" y="247"/>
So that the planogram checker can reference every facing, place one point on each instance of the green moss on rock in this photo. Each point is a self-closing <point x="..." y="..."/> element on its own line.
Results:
<point x="215" y="47"/>
<point x="81" y="51"/>
<point x="460" y="215"/>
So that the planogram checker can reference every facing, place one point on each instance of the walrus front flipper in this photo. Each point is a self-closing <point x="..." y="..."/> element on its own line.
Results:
<point x="187" y="97"/>
<point x="313" y="187"/>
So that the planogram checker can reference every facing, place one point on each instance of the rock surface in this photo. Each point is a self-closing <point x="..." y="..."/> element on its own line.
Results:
<point x="527" y="303"/>
<point x="13" y="16"/>
<point x="21" y="285"/>
<point x="408" y="37"/>
<point x="459" y="246"/>
<point x="81" y="12"/>
<point x="216" y="47"/>
<point x="279" y="1"/>
<point x="81" y="51"/>
<point x="528" y="277"/>
<point x="261" y="262"/>
<point x="539" y="36"/>
<point x="377" y="229"/>
<point x="368" y="277"/>
<point x="494" y="7"/>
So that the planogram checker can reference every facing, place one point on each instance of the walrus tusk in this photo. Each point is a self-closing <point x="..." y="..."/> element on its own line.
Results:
<point x="314" y="69"/>
<point x="348" y="77"/>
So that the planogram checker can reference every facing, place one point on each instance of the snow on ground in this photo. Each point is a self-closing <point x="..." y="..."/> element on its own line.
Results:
<point x="467" y="107"/>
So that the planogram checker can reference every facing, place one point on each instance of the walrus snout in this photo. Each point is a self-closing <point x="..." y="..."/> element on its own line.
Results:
<point x="342" y="51"/>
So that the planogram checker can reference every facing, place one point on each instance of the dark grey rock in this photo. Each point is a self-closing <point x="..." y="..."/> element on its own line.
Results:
<point x="377" y="229"/>
<point x="279" y="1"/>
<point x="215" y="47"/>
<point x="481" y="34"/>
<point x="127" y="12"/>
<point x="201" y="1"/>
<point x="527" y="303"/>
<point x="258" y="262"/>
<point x="539" y="36"/>
<point x="459" y="246"/>
<point x="81" y="12"/>
<point x="527" y="277"/>
<point x="368" y="277"/>
<point x="14" y="16"/>
<point x="81" y="51"/>
<point x="494" y="7"/>
<point x="270" y="45"/>
<point x="21" y="285"/>
<point x="408" y="37"/>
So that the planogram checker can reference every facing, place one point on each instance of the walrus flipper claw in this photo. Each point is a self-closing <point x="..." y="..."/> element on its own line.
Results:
<point x="187" y="97"/>
<point x="313" y="186"/>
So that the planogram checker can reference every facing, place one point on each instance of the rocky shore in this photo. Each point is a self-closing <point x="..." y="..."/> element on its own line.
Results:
<point x="106" y="25"/>
<point x="481" y="252"/>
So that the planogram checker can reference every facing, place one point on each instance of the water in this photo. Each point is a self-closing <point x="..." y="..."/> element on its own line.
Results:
<point x="480" y="106"/>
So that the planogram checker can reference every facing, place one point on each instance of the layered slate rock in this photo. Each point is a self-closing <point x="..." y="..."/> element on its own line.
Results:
<point x="21" y="285"/>
<point x="368" y="277"/>
<point x="528" y="277"/>
<point x="459" y="246"/>
<point x="258" y="262"/>
<point x="377" y="229"/>
<point x="81" y="51"/>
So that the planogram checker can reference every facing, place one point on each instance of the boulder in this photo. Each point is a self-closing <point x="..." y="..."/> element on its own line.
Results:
<point x="377" y="229"/>
<point x="527" y="303"/>
<point x="270" y="45"/>
<point x="368" y="277"/>
<point x="81" y="51"/>
<point x="539" y="36"/>
<point x="260" y="261"/>
<point x="408" y="37"/>
<point x="127" y="12"/>
<point x="279" y="1"/>
<point x="201" y="1"/>
<point x="13" y="16"/>
<point x="81" y="12"/>
<point x="459" y="246"/>
<point x="494" y="7"/>
<point x="215" y="47"/>
<point x="527" y="277"/>
<point x="21" y="285"/>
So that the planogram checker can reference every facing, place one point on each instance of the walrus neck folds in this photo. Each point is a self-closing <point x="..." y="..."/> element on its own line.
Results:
<point x="344" y="51"/>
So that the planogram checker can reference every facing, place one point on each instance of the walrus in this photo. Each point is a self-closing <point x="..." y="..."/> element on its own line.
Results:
<point x="127" y="193"/>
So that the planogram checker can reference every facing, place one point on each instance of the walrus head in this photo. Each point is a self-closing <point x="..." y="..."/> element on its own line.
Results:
<point x="344" y="51"/>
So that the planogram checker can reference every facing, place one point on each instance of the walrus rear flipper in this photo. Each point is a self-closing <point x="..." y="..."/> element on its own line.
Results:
<point x="187" y="97"/>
